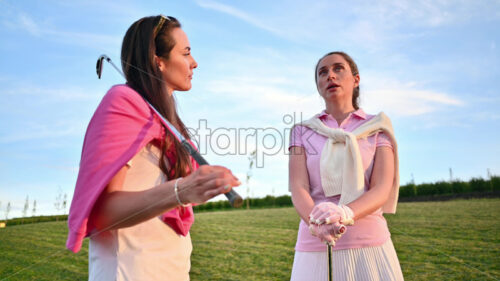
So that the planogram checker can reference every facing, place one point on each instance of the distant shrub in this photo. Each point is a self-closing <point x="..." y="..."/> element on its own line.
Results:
<point x="460" y="187"/>
<point x="495" y="183"/>
<point x="19" y="221"/>
<point x="479" y="184"/>
<point x="408" y="190"/>
<point x="443" y="187"/>
<point x="206" y="206"/>
<point x="224" y="204"/>
<point x="268" y="200"/>
<point x="284" y="200"/>
<point x="426" y="189"/>
<point x="255" y="202"/>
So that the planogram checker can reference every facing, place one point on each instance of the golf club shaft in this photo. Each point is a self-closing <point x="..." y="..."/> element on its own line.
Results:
<point x="340" y="230"/>
<point x="234" y="198"/>
<point x="330" y="273"/>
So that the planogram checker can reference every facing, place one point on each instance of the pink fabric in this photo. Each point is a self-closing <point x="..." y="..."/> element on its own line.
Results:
<point x="366" y="232"/>
<point x="122" y="125"/>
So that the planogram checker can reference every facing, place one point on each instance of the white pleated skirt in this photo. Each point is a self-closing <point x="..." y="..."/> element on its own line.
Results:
<point x="371" y="264"/>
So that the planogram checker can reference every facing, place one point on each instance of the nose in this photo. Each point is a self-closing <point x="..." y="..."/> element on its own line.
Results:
<point x="331" y="75"/>
<point x="194" y="64"/>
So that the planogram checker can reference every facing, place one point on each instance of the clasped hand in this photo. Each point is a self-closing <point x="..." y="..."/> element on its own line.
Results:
<point x="327" y="221"/>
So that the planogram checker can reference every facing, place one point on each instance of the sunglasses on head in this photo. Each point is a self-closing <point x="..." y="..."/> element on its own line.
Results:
<point x="160" y="24"/>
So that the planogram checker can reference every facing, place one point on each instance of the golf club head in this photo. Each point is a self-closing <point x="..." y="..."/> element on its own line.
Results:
<point x="99" y="65"/>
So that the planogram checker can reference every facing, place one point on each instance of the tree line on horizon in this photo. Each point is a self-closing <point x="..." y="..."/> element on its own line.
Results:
<point x="475" y="187"/>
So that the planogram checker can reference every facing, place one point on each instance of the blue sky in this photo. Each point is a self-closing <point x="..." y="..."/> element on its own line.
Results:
<point x="432" y="66"/>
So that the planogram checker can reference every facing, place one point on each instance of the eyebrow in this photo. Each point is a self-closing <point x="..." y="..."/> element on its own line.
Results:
<point x="335" y="64"/>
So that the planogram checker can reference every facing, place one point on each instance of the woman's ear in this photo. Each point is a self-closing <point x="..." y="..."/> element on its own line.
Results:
<point x="357" y="78"/>
<point x="160" y="64"/>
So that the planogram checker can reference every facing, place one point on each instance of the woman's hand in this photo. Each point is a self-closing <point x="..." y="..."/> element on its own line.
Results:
<point x="327" y="233"/>
<point x="330" y="213"/>
<point x="205" y="183"/>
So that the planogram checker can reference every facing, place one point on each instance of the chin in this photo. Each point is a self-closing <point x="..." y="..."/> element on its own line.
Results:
<point x="184" y="88"/>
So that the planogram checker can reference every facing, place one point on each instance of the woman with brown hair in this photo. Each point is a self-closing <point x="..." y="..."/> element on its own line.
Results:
<point x="343" y="169"/>
<point x="136" y="183"/>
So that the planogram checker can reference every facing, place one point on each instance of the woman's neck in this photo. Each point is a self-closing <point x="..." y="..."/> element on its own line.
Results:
<point x="339" y="111"/>
<point x="170" y="91"/>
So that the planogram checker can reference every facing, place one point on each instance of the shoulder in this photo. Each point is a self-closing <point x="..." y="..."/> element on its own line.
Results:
<point x="122" y="94"/>
<point x="379" y="117"/>
<point x="123" y="112"/>
<point x="124" y="98"/>
<point x="304" y="129"/>
<point x="361" y="114"/>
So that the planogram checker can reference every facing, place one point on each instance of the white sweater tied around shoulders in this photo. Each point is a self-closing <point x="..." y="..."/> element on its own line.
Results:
<point x="341" y="167"/>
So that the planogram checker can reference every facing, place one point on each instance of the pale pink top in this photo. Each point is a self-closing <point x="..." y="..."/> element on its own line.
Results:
<point x="150" y="250"/>
<point x="372" y="229"/>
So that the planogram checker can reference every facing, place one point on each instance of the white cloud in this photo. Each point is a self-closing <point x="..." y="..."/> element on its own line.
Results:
<point x="234" y="12"/>
<point x="404" y="99"/>
<point x="29" y="25"/>
<point x="42" y="131"/>
<point x="367" y="25"/>
<point x="46" y="112"/>
<point x="426" y="13"/>
<point x="261" y="95"/>
<point x="47" y="31"/>
<point x="96" y="41"/>
<point x="70" y="93"/>
<point x="284" y="96"/>
<point x="408" y="102"/>
<point x="485" y="116"/>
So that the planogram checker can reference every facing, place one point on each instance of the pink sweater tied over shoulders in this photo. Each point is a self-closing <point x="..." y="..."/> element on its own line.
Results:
<point x="122" y="125"/>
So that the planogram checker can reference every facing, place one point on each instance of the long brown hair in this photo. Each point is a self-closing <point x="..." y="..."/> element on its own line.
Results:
<point x="145" y="38"/>
<point x="354" y="70"/>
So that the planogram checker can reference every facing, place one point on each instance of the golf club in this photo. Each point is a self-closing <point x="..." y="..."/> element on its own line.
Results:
<point x="234" y="198"/>
<point x="341" y="230"/>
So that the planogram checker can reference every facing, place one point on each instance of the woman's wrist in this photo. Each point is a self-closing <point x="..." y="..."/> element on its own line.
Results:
<point x="177" y="191"/>
<point x="349" y="214"/>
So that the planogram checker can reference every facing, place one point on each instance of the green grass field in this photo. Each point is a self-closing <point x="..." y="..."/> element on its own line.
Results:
<point x="453" y="240"/>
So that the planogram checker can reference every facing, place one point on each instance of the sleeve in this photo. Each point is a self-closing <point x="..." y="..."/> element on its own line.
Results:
<point x="383" y="140"/>
<point x="296" y="136"/>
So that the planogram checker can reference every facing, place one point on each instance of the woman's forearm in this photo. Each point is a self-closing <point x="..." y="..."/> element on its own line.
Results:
<point x="299" y="183"/>
<point x="380" y="185"/>
<point x="369" y="202"/>
<point x="303" y="203"/>
<point x="118" y="209"/>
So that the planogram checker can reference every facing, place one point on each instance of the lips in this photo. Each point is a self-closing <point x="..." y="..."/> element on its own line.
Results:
<point x="332" y="86"/>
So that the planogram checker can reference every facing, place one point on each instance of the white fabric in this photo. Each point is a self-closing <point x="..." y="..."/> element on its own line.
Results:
<point x="148" y="251"/>
<point x="371" y="264"/>
<point x="341" y="167"/>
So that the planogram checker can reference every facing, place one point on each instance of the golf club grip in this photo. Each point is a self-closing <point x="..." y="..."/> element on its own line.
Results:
<point x="234" y="198"/>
